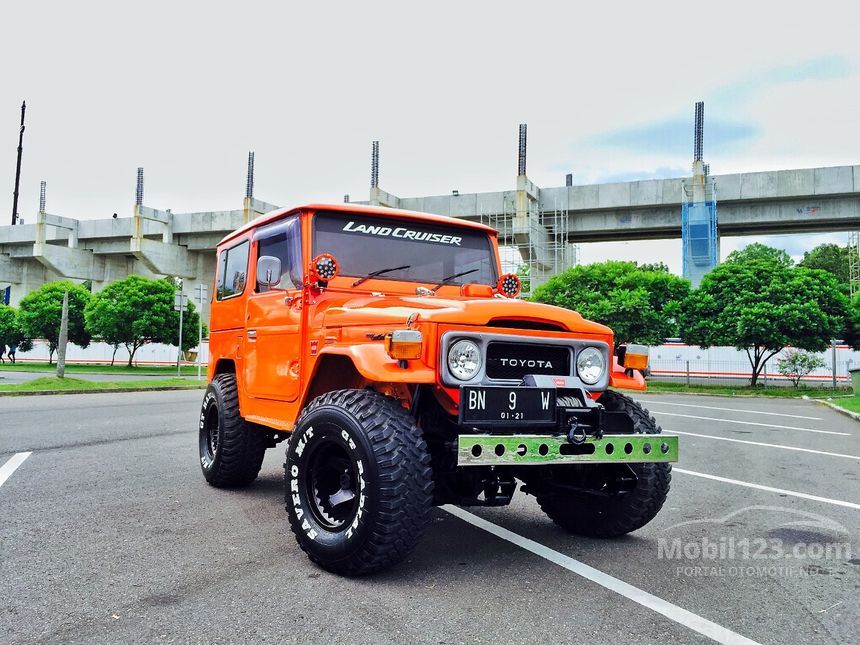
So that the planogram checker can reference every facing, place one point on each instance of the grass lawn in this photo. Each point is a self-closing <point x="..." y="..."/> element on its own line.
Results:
<point x="101" y="368"/>
<point x="51" y="383"/>
<point x="851" y="403"/>
<point x="746" y="390"/>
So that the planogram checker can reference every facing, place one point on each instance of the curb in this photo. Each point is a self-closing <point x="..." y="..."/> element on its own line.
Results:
<point x="833" y="406"/>
<point x="729" y="396"/>
<point x="162" y="388"/>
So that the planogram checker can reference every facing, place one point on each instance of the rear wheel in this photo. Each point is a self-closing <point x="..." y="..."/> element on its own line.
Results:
<point x="231" y="449"/>
<point x="359" y="483"/>
<point x="607" y="514"/>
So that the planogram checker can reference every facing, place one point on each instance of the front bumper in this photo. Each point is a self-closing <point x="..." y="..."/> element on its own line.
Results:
<point x="533" y="450"/>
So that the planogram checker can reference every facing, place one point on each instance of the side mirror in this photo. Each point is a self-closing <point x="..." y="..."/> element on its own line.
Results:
<point x="268" y="272"/>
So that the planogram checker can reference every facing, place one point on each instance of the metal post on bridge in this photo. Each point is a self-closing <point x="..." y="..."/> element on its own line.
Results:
<point x="688" y="373"/>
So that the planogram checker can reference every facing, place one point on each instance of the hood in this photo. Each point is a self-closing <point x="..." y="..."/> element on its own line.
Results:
<point x="388" y="310"/>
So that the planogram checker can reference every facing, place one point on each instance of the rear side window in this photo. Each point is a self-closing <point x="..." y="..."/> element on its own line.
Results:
<point x="232" y="271"/>
<point x="283" y="240"/>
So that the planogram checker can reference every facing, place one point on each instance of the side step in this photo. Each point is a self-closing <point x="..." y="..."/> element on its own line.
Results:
<point x="533" y="450"/>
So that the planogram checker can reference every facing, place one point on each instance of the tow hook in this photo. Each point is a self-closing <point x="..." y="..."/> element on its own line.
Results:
<point x="576" y="434"/>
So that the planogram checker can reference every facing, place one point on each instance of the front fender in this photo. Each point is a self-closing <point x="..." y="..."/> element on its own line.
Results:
<point x="374" y="364"/>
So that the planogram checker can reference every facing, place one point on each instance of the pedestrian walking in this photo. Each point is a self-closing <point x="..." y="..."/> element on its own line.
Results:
<point x="2" y="351"/>
<point x="12" y="349"/>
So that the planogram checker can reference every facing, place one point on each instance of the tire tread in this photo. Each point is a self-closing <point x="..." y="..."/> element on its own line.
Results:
<point x="602" y="518"/>
<point x="242" y="446"/>
<point x="405" y="493"/>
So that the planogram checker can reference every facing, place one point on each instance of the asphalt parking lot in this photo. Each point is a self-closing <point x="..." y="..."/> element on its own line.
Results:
<point x="108" y="533"/>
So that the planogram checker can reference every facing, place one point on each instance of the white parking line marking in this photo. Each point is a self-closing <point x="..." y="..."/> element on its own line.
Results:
<point x="711" y="407"/>
<point x="769" y="445"/>
<point x="753" y="423"/>
<point x="11" y="466"/>
<point x="769" y="489"/>
<point x="673" y="612"/>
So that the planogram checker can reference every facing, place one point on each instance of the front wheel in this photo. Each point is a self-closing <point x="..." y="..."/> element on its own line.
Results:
<point x="613" y="515"/>
<point x="359" y="487"/>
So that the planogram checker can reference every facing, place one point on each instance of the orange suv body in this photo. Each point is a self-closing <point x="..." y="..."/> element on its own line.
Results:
<point x="351" y="329"/>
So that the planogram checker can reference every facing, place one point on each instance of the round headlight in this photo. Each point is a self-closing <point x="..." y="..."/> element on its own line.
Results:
<point x="464" y="359"/>
<point x="590" y="365"/>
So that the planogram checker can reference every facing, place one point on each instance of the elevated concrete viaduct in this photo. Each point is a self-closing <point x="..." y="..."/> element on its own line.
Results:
<point x="158" y="242"/>
<point x="151" y="243"/>
<point x="773" y="202"/>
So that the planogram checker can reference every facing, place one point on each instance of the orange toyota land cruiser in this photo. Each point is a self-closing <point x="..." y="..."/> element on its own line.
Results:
<point x="394" y="357"/>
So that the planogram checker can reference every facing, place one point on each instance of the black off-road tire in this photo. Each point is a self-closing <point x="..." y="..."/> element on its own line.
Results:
<point x="385" y="466"/>
<point x="607" y="517"/>
<point x="231" y="449"/>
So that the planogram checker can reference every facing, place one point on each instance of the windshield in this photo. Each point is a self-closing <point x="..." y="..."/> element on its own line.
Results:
<point x="417" y="251"/>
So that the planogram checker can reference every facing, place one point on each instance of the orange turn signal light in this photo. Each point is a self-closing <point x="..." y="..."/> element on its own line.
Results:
<point x="404" y="344"/>
<point x="635" y="357"/>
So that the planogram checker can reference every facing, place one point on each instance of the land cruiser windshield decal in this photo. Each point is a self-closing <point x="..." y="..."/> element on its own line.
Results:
<point x="426" y="253"/>
<point x="405" y="233"/>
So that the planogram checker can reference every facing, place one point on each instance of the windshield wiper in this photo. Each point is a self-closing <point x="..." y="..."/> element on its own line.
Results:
<point x="451" y="277"/>
<point x="380" y="272"/>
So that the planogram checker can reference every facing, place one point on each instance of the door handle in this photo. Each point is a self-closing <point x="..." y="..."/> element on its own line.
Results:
<point x="252" y="334"/>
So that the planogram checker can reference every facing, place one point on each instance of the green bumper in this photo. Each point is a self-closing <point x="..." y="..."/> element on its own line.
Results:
<point x="534" y="450"/>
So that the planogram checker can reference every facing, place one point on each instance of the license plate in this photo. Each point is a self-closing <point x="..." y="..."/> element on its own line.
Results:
<point x="498" y="406"/>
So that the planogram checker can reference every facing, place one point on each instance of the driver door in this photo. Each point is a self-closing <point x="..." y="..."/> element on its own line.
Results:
<point x="274" y="317"/>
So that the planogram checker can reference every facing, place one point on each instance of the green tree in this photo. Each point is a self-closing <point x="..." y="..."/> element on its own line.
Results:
<point x="761" y="304"/>
<point x="760" y="252"/>
<point x="795" y="365"/>
<point x="524" y="273"/>
<point x="852" y="334"/>
<point x="639" y="305"/>
<point x="659" y="267"/>
<point x="136" y="311"/>
<point x="9" y="333"/>
<point x="828" y="257"/>
<point x="40" y="312"/>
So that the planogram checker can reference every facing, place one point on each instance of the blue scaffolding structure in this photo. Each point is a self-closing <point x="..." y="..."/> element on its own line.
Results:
<point x="699" y="239"/>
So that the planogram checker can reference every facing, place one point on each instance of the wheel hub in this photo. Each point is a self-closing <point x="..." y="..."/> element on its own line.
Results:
<point x="333" y="483"/>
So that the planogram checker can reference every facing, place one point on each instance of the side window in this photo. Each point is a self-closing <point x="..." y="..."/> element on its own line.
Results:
<point x="232" y="271"/>
<point x="283" y="240"/>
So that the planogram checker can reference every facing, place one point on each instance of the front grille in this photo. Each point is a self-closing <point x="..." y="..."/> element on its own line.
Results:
<point x="512" y="361"/>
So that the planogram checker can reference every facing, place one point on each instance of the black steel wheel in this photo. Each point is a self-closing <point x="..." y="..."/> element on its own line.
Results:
<point x="334" y="481"/>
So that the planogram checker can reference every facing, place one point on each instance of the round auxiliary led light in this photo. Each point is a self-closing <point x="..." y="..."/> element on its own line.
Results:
<point x="464" y="359"/>
<point x="590" y="365"/>
<point x="509" y="285"/>
<point x="325" y="267"/>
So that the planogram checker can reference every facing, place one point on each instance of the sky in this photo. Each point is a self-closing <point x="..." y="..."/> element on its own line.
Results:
<point x="186" y="89"/>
